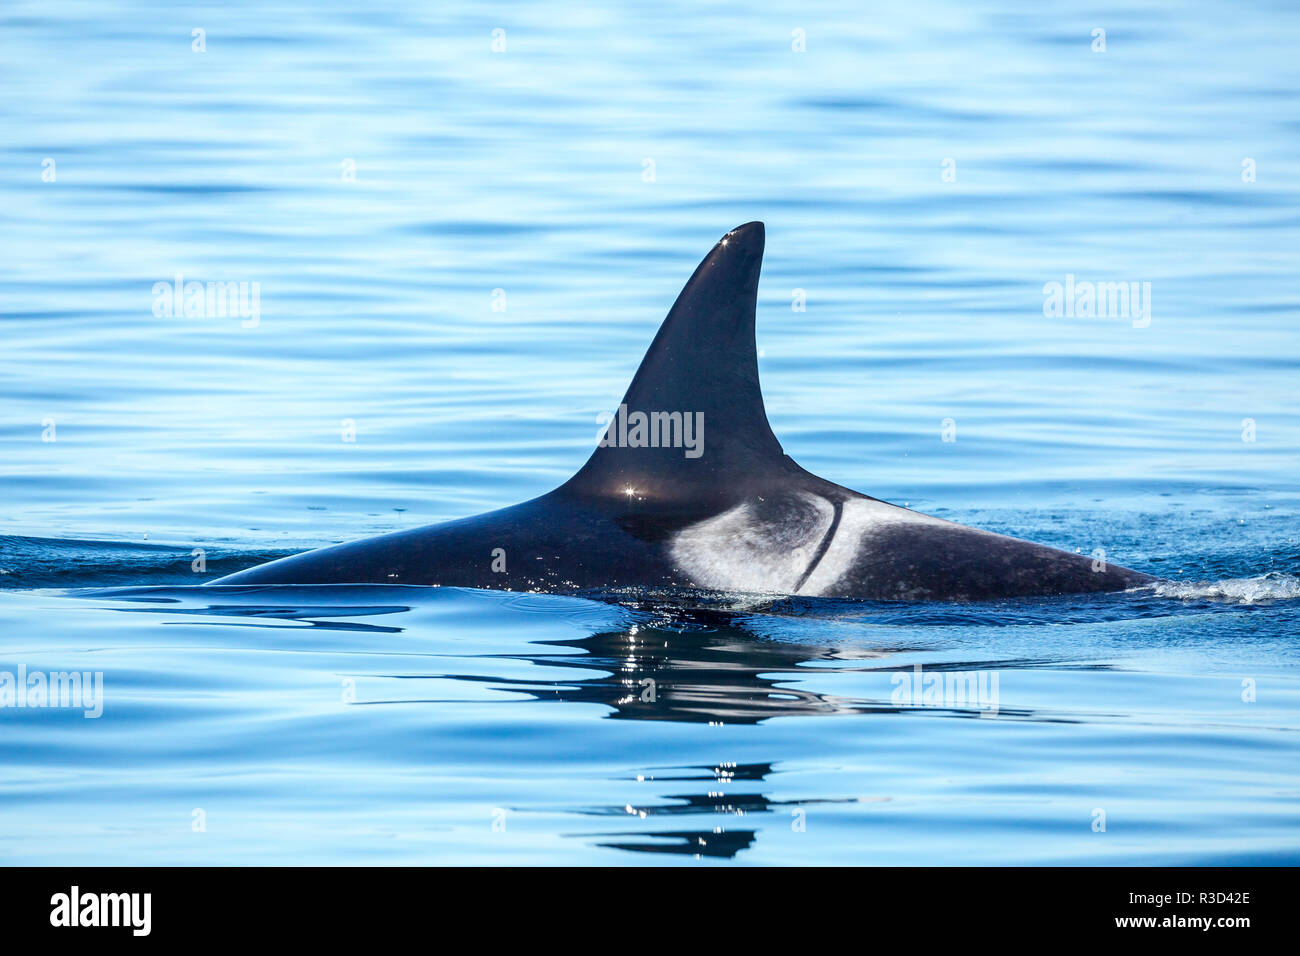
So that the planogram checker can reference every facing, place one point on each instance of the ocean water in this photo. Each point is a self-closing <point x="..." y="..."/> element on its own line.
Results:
<point x="459" y="256"/>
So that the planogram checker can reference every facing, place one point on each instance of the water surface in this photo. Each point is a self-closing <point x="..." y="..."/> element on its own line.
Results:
<point x="387" y="179"/>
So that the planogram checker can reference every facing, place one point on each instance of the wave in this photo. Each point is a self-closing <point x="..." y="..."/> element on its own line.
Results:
<point x="1274" y="586"/>
<point x="68" y="562"/>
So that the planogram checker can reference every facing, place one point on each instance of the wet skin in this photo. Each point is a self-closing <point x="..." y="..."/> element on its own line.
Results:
<point x="720" y="507"/>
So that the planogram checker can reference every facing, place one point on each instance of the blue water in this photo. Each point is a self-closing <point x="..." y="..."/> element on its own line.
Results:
<point x="923" y="171"/>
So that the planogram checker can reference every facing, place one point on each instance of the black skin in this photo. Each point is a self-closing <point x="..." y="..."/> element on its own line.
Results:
<point x="612" y="525"/>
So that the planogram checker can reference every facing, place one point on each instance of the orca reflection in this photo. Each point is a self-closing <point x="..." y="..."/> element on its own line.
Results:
<point x="668" y="664"/>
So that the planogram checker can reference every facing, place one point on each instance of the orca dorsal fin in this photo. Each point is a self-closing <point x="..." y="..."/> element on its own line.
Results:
<point x="692" y="426"/>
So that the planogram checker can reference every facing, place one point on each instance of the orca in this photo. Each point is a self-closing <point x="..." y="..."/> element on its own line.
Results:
<point x="690" y="490"/>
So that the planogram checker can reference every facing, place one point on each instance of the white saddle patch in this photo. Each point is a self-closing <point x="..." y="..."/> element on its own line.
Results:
<point x="739" y="551"/>
<point x="860" y="518"/>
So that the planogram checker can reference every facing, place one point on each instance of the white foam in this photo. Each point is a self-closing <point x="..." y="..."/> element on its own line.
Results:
<point x="1274" y="586"/>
